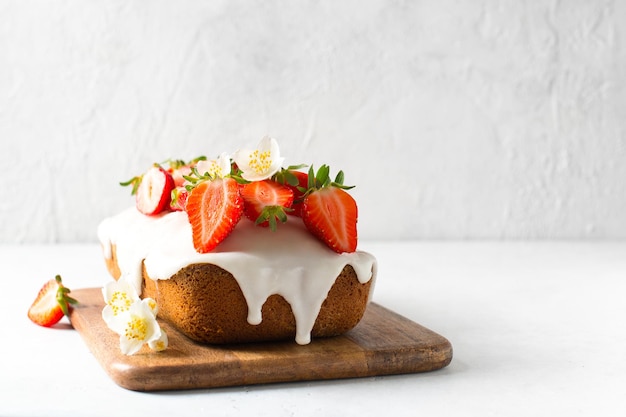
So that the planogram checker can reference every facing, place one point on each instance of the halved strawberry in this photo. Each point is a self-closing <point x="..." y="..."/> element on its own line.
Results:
<point x="179" y="198"/>
<point x="331" y="214"/>
<point x="266" y="201"/>
<point x="155" y="190"/>
<point x="214" y="208"/>
<point x="51" y="304"/>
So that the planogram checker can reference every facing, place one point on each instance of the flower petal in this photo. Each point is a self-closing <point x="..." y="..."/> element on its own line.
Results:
<point x="130" y="346"/>
<point x="115" y="322"/>
<point x="260" y="163"/>
<point x="154" y="308"/>
<point x="139" y="327"/>
<point x="119" y="296"/>
<point x="215" y="168"/>
<point x="159" y="344"/>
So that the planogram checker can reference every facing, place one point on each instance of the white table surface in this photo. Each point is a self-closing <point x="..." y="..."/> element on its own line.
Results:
<point x="537" y="329"/>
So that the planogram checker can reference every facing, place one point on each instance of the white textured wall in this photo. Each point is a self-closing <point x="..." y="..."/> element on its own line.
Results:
<point x="478" y="119"/>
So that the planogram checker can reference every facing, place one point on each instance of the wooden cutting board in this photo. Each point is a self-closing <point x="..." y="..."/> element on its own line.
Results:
<point x="383" y="343"/>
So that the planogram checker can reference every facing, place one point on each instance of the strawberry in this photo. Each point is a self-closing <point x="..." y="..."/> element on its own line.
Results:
<point x="266" y="201"/>
<point x="51" y="304"/>
<point x="214" y="207"/>
<point x="179" y="198"/>
<point x="180" y="170"/>
<point x="297" y="182"/>
<point x="298" y="192"/>
<point x="329" y="212"/>
<point x="178" y="174"/>
<point x="155" y="190"/>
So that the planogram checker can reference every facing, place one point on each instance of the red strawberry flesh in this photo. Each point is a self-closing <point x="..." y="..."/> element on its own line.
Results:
<point x="267" y="196"/>
<point x="214" y="208"/>
<point x="179" y="199"/>
<point x="331" y="214"/>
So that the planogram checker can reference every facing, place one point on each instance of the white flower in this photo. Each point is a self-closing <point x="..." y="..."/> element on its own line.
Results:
<point x="216" y="168"/>
<point x="261" y="163"/>
<point x="153" y="305"/>
<point x="119" y="296"/>
<point x="137" y="327"/>
<point x="161" y="343"/>
<point x="132" y="318"/>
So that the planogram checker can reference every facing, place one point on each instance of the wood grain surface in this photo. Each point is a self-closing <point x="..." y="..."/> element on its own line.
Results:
<point x="383" y="343"/>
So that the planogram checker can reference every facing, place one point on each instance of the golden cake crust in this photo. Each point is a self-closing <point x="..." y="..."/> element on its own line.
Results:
<point x="205" y="303"/>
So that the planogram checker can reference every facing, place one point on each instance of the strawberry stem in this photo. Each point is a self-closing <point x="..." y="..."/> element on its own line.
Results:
<point x="63" y="299"/>
<point x="322" y="179"/>
<point x="286" y="175"/>
<point x="135" y="182"/>
<point x="271" y="214"/>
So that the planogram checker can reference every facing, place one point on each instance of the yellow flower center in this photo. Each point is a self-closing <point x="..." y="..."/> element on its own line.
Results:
<point x="136" y="329"/>
<point x="119" y="302"/>
<point x="215" y="170"/>
<point x="260" y="162"/>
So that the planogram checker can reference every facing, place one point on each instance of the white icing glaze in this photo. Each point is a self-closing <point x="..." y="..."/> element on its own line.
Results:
<point x="289" y="262"/>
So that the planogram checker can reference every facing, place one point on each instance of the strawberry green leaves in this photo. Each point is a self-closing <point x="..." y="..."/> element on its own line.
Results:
<point x="321" y="179"/>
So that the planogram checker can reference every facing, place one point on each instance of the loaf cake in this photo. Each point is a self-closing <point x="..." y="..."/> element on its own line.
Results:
<point x="276" y="273"/>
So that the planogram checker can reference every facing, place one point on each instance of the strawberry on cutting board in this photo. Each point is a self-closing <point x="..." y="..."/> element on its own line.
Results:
<point x="265" y="202"/>
<point x="51" y="304"/>
<point x="214" y="207"/>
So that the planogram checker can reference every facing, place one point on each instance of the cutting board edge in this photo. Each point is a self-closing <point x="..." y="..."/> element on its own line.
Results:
<point x="417" y="358"/>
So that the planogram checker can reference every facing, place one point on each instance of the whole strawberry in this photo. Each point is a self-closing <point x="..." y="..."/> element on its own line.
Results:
<point x="298" y="185"/>
<point x="51" y="304"/>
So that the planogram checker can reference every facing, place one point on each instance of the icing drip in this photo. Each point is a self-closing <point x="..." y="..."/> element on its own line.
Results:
<point x="289" y="262"/>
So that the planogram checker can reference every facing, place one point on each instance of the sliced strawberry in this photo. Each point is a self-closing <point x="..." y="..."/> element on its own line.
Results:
<point x="51" y="304"/>
<point x="331" y="214"/>
<point x="154" y="193"/>
<point x="179" y="198"/>
<point x="266" y="201"/>
<point x="214" y="208"/>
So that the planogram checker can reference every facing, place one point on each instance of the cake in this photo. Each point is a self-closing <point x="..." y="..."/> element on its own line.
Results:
<point x="236" y="249"/>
